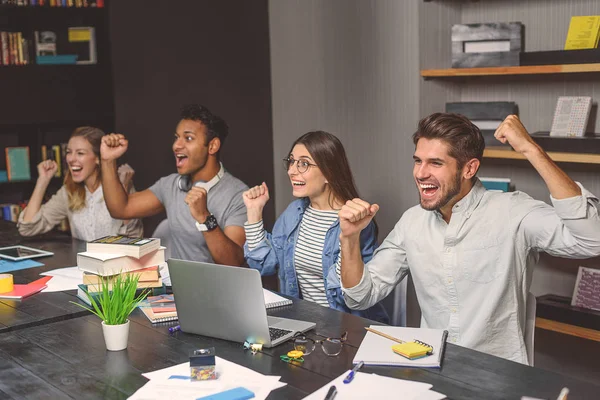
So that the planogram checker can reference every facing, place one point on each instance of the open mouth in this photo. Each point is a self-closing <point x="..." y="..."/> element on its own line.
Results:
<point x="75" y="169"/>
<point x="428" y="190"/>
<point x="180" y="159"/>
<point x="298" y="183"/>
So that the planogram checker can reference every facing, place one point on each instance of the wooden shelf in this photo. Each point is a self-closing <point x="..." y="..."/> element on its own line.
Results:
<point x="523" y="70"/>
<point x="580" y="158"/>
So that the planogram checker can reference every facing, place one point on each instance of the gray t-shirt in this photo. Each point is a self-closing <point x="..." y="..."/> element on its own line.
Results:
<point x="225" y="202"/>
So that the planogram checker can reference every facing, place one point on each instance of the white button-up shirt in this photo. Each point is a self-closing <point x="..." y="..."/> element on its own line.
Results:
<point x="472" y="275"/>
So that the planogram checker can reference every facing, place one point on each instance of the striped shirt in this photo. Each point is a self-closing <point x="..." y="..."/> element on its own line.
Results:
<point x="308" y="253"/>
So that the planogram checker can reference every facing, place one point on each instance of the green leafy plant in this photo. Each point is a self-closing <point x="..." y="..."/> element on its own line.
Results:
<point x="114" y="306"/>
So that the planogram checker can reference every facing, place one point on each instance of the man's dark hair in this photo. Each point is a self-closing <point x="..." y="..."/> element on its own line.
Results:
<point x="215" y="125"/>
<point x="463" y="138"/>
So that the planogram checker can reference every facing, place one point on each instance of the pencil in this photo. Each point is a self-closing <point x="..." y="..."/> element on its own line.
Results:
<point x="384" y="335"/>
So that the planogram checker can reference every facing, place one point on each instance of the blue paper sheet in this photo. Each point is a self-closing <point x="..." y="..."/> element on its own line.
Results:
<point x="8" y="265"/>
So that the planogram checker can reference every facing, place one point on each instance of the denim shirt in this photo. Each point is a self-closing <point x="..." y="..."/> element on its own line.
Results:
<point x="276" y="254"/>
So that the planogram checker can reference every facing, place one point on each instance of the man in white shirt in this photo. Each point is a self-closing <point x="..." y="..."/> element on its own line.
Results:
<point x="470" y="252"/>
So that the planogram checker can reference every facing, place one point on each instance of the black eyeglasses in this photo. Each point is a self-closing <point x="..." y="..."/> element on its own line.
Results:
<point x="330" y="346"/>
<point x="301" y="164"/>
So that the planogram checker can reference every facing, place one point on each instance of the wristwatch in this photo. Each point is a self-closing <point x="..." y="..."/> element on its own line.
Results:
<point x="208" y="225"/>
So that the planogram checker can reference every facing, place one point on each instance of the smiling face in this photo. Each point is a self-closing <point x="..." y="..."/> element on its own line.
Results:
<point x="312" y="183"/>
<point x="83" y="163"/>
<point x="189" y="147"/>
<point x="440" y="181"/>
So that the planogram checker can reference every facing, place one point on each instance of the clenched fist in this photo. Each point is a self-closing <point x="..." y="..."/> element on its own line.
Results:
<point x="355" y="215"/>
<point x="47" y="169"/>
<point x="255" y="200"/>
<point x="511" y="130"/>
<point x="196" y="201"/>
<point x="113" y="146"/>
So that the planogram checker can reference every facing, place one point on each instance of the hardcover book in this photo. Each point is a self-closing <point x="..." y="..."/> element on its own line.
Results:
<point x="149" y="274"/>
<point x="17" y="163"/>
<point x="124" y="245"/>
<point x="107" y="264"/>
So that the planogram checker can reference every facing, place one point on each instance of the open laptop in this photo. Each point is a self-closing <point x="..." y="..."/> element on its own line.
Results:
<point x="227" y="303"/>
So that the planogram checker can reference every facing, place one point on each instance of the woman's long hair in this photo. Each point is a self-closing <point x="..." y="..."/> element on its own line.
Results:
<point x="76" y="191"/>
<point x="328" y="153"/>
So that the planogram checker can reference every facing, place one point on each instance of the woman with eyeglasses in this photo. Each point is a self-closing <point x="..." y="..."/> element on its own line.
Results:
<point x="304" y="247"/>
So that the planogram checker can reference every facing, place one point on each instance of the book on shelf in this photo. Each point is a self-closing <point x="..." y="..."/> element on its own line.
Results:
<point x="495" y="184"/>
<point x="571" y="116"/>
<point x="106" y="264"/>
<point x="4" y="49"/>
<point x="17" y="163"/>
<point x="14" y="49"/>
<point x="10" y="212"/>
<point x="119" y="244"/>
<point x="148" y="274"/>
<point x="584" y="32"/>
<point x="159" y="308"/>
<point x="587" y="289"/>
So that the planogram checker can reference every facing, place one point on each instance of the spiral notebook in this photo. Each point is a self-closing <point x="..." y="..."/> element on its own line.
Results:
<point x="159" y="308"/>
<point x="378" y="350"/>
<point x="273" y="300"/>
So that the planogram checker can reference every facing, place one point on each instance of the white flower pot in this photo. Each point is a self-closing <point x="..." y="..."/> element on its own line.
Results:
<point x="116" y="336"/>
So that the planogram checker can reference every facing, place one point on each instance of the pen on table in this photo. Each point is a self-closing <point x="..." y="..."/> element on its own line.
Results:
<point x="331" y="393"/>
<point x="175" y="328"/>
<point x="384" y="335"/>
<point x="563" y="394"/>
<point x="350" y="376"/>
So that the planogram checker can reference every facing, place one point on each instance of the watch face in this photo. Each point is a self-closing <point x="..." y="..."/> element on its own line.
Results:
<point x="211" y="222"/>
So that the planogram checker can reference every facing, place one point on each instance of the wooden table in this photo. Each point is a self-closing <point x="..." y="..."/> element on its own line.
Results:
<point x="51" y="349"/>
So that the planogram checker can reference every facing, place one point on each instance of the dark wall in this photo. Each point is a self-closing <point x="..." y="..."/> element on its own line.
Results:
<point x="216" y="53"/>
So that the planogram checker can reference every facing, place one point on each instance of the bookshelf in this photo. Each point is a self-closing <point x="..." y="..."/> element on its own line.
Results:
<point x="579" y="158"/>
<point x="578" y="150"/>
<point x="511" y="71"/>
<point x="43" y="104"/>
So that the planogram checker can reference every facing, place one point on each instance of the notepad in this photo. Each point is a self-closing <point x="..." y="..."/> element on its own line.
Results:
<point x="273" y="300"/>
<point x="159" y="308"/>
<point x="413" y="350"/>
<point x="377" y="350"/>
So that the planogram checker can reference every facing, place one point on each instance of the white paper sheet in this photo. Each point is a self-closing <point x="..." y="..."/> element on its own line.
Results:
<point x="230" y="375"/>
<point x="63" y="279"/>
<point x="372" y="386"/>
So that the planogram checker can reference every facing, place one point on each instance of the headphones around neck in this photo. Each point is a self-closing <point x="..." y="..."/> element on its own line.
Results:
<point x="184" y="182"/>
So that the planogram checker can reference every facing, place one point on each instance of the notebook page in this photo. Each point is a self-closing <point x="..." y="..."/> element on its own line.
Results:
<point x="377" y="350"/>
<point x="274" y="300"/>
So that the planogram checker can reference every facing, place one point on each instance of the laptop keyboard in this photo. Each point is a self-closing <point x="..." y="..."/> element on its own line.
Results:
<point x="277" y="333"/>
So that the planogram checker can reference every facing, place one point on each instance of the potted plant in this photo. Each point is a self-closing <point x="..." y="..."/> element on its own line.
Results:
<point x="113" y="304"/>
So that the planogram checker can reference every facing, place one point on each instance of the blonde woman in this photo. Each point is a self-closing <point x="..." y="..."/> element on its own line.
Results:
<point x="80" y="199"/>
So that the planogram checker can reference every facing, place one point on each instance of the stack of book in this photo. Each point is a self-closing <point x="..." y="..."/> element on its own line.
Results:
<point x="110" y="256"/>
<point x="160" y="308"/>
